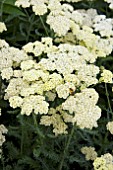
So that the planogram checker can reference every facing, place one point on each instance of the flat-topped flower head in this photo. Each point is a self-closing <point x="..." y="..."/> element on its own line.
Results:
<point x="2" y="27"/>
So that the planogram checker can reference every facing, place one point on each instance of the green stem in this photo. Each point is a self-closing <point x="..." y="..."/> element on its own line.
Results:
<point x="107" y="95"/>
<point x="34" y="119"/>
<point x="22" y="138"/>
<point x="41" y="136"/>
<point x="2" y="8"/>
<point x="66" y="148"/>
<point x="29" y="32"/>
<point x="43" y="25"/>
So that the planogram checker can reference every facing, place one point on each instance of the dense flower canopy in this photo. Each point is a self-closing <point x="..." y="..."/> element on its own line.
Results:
<point x="57" y="78"/>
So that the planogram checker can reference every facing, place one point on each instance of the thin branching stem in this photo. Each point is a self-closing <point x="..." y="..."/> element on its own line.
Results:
<point x="34" y="119"/>
<point x="44" y="25"/>
<point x="2" y="9"/>
<point x="107" y="95"/>
<point x="22" y="138"/>
<point x="66" y="148"/>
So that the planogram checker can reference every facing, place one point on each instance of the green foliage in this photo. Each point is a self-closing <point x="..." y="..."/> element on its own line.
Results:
<point x="8" y="7"/>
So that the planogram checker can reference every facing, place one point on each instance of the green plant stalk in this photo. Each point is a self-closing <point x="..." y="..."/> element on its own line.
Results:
<point x="28" y="32"/>
<point x="34" y="119"/>
<point x="107" y="95"/>
<point x="43" y="25"/>
<point x="66" y="148"/>
<point x="22" y="141"/>
<point x="41" y="136"/>
<point x="2" y="8"/>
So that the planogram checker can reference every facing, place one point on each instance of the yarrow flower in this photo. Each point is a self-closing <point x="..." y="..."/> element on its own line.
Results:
<point x="22" y="3"/>
<point x="7" y="73"/>
<point x="110" y="2"/>
<point x="60" y="29"/>
<point x="83" y="105"/>
<point x="58" y="118"/>
<point x="103" y="25"/>
<point x="2" y="27"/>
<point x="45" y="76"/>
<point x="110" y="127"/>
<point x="106" y="76"/>
<point x="15" y="101"/>
<point x="63" y="90"/>
<point x="89" y="152"/>
<point x="104" y="162"/>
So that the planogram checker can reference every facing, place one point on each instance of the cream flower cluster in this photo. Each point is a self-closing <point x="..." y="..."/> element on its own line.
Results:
<point x="83" y="24"/>
<point x="3" y="130"/>
<point x="110" y="127"/>
<point x="10" y="57"/>
<point x="83" y="105"/>
<point x="38" y="47"/>
<point x="106" y="76"/>
<point x="89" y="152"/>
<point x="2" y="27"/>
<point x="58" y="118"/>
<point x="51" y="95"/>
<point x="105" y="162"/>
<point x="63" y="90"/>
<point x="103" y="25"/>
<point x="67" y="70"/>
<point x="110" y="2"/>
<point x="39" y="7"/>
<point x="26" y="96"/>
<point x="34" y="85"/>
<point x="69" y="58"/>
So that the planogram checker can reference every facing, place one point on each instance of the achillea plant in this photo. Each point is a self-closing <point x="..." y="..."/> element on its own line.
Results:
<point x="55" y="74"/>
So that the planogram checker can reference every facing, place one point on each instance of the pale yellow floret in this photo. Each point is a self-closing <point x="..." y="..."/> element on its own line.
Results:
<point x="110" y="2"/>
<point x="106" y="76"/>
<point x="105" y="162"/>
<point x="3" y="130"/>
<point x="36" y="48"/>
<point x="89" y="152"/>
<point x="39" y="9"/>
<point x="26" y="91"/>
<point x="17" y="73"/>
<point x="72" y="78"/>
<point x="2" y="27"/>
<point x="7" y="73"/>
<point x="22" y="3"/>
<point x="83" y="105"/>
<point x="60" y="29"/>
<point x="103" y="25"/>
<point x="26" y="65"/>
<point x="87" y="74"/>
<point x="110" y="127"/>
<point x="14" y="87"/>
<point x="38" y="87"/>
<point x="54" y="5"/>
<point x="64" y="90"/>
<point x="53" y="81"/>
<point x="50" y="95"/>
<point x="15" y="101"/>
<point x="30" y="75"/>
<point x="34" y="103"/>
<point x="54" y="117"/>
